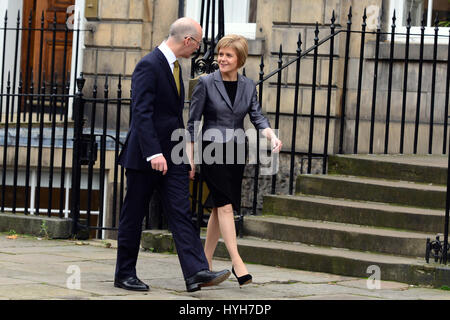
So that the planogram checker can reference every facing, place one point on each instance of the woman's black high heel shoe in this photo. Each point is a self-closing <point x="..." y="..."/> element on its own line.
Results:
<point x="245" y="279"/>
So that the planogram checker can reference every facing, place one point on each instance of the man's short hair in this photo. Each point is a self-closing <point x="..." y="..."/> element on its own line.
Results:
<point x="236" y="42"/>
<point x="182" y="28"/>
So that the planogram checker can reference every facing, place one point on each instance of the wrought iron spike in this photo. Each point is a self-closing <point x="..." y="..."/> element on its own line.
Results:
<point x="80" y="82"/>
<point x="333" y="19"/>
<point x="393" y="20"/>
<point x="408" y="20"/>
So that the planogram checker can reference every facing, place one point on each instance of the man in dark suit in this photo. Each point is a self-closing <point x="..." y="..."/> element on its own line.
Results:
<point x="157" y="105"/>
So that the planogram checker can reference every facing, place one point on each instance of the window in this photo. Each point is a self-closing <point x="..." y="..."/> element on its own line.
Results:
<point x="427" y="9"/>
<point x="240" y="16"/>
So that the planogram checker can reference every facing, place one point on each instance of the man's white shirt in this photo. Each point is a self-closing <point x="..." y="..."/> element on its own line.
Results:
<point x="171" y="58"/>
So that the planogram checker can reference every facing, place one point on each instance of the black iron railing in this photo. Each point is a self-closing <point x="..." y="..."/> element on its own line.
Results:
<point x="32" y="101"/>
<point x="350" y="116"/>
<point x="346" y="126"/>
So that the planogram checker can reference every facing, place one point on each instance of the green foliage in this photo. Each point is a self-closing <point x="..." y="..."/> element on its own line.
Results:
<point x="44" y="230"/>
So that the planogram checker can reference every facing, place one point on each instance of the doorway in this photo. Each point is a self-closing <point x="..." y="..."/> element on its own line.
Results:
<point x="46" y="49"/>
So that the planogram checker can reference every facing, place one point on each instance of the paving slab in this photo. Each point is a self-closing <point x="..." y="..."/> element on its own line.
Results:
<point x="384" y="285"/>
<point x="338" y="297"/>
<point x="38" y="269"/>
<point x="39" y="291"/>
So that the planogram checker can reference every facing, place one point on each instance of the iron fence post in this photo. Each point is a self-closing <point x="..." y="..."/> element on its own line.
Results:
<point x="447" y="208"/>
<point x="344" y="89"/>
<point x="78" y="111"/>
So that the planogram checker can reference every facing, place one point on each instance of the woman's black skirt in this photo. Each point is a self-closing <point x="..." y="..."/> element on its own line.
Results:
<point x="222" y="168"/>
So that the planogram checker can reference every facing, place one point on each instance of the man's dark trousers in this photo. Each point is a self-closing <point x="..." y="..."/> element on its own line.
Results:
<point x="174" y="190"/>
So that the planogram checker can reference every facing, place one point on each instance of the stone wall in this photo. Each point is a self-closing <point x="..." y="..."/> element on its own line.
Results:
<point x="126" y="30"/>
<point x="122" y="33"/>
<point x="282" y="180"/>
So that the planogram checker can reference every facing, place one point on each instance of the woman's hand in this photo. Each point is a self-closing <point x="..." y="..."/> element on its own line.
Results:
<point x="276" y="144"/>
<point x="190" y="152"/>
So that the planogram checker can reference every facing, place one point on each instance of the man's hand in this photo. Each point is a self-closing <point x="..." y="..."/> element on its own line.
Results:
<point x="192" y="172"/>
<point x="159" y="164"/>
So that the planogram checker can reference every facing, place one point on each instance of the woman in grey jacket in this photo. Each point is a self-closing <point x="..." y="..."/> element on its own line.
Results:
<point x="224" y="98"/>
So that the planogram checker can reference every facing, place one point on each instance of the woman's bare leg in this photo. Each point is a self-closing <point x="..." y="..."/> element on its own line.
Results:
<point x="212" y="236"/>
<point x="228" y="230"/>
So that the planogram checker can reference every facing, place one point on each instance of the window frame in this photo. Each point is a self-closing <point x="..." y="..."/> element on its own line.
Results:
<point x="245" y="29"/>
<point x="397" y="5"/>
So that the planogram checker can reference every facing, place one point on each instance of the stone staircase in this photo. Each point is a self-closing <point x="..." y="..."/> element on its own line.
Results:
<point x="369" y="210"/>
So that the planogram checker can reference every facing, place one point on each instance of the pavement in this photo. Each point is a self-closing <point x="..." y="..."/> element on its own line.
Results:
<point x="40" y="269"/>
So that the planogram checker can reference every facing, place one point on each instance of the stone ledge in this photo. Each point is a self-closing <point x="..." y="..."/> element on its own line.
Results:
<point x="56" y="228"/>
<point x="269" y="253"/>
<point x="399" y="51"/>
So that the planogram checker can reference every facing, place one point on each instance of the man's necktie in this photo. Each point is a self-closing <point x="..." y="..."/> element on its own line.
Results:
<point x="176" y="75"/>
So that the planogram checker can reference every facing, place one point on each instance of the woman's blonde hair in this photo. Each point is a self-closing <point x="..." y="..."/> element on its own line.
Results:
<point x="236" y="42"/>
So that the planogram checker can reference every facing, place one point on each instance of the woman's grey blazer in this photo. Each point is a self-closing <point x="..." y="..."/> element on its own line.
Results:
<point x="210" y="99"/>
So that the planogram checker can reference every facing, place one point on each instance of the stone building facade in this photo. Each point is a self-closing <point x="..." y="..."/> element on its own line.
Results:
<point x="116" y="34"/>
<point x="122" y="31"/>
<point x="125" y="30"/>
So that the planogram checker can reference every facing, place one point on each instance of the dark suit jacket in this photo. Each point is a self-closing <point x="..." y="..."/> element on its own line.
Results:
<point x="157" y="110"/>
<point x="211" y="100"/>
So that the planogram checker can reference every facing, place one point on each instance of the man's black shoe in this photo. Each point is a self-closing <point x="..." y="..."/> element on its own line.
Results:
<point x="206" y="278"/>
<point x="131" y="283"/>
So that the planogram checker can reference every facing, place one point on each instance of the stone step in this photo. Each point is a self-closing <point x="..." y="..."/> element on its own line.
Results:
<point x="355" y="212"/>
<point x="376" y="190"/>
<point x="416" y="168"/>
<point x="319" y="259"/>
<point x="354" y="237"/>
